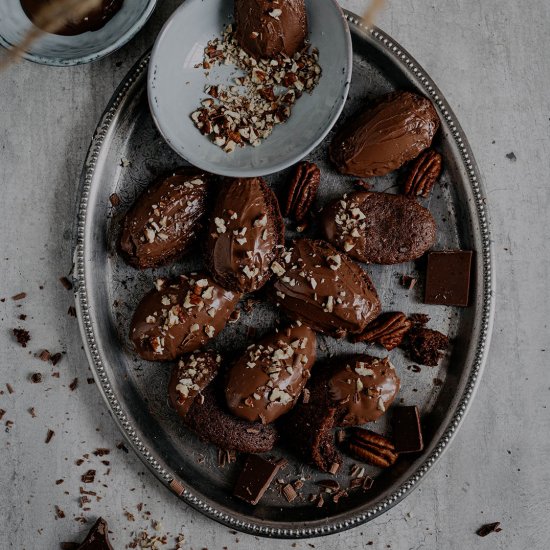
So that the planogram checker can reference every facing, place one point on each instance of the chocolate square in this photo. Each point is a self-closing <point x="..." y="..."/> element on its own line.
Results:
<point x="448" y="277"/>
<point x="407" y="432"/>
<point x="254" y="479"/>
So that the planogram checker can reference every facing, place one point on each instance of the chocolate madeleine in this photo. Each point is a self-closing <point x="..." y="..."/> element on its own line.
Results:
<point x="379" y="228"/>
<point x="396" y="129"/>
<point x="210" y="420"/>
<point x="362" y="387"/>
<point x="166" y="219"/>
<point x="324" y="289"/>
<point x="246" y="234"/>
<point x="179" y="316"/>
<point x="267" y="29"/>
<point x="267" y="380"/>
<point x="190" y="376"/>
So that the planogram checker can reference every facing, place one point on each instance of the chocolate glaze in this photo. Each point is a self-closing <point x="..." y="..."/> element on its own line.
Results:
<point x="190" y="376"/>
<point x="263" y="32"/>
<point x="166" y="219"/>
<point x="179" y="316"/>
<point x="379" y="228"/>
<point x="267" y="380"/>
<point x="395" y="130"/>
<point x="95" y="20"/>
<point x="210" y="420"/>
<point x="324" y="289"/>
<point x="363" y="388"/>
<point x="246" y="233"/>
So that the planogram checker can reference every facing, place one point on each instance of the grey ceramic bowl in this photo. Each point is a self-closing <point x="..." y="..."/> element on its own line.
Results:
<point x="60" y="51"/>
<point x="175" y="88"/>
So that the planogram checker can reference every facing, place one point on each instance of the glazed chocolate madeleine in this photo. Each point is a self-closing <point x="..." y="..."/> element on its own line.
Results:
<point x="324" y="289"/>
<point x="245" y="234"/>
<point x="180" y="315"/>
<point x="166" y="220"/>
<point x="394" y="130"/>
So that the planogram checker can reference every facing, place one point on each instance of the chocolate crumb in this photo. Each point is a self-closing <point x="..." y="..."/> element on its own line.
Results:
<point x="49" y="435"/>
<point x="426" y="346"/>
<point x="55" y="358"/>
<point x="59" y="481"/>
<point x="22" y="336"/>
<point x="71" y="311"/>
<point x="10" y="388"/>
<point x="122" y="447"/>
<point x="101" y="451"/>
<point x="489" y="528"/>
<point x="66" y="283"/>
<point x="289" y="492"/>
<point x="36" y="378"/>
<point x="32" y="412"/>
<point x="19" y="296"/>
<point x="408" y="282"/>
<point x="2" y="413"/>
<point x="44" y="355"/>
<point x="22" y="317"/>
<point x="73" y="385"/>
<point x="90" y="380"/>
<point x="418" y="319"/>
<point x="59" y="513"/>
<point x="114" y="200"/>
<point x="88" y="477"/>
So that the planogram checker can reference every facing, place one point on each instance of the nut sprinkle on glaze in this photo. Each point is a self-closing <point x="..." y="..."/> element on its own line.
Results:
<point x="395" y="130"/>
<point x="190" y="376"/>
<point x="379" y="228"/>
<point x="166" y="219"/>
<point x="268" y="379"/>
<point x="246" y="111"/>
<point x="364" y="389"/>
<point x="246" y="234"/>
<point x="179" y="316"/>
<point x="324" y="289"/>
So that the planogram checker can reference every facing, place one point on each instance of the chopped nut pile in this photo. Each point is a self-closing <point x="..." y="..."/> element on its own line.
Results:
<point x="247" y="111"/>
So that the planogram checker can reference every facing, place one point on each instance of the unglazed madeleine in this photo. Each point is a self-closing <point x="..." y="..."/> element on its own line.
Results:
<point x="324" y="289"/>
<point x="245" y="234"/>
<point x="190" y="376"/>
<point x="396" y="129"/>
<point x="266" y="381"/>
<point x="166" y="219"/>
<point x="210" y="420"/>
<point x="179" y="316"/>
<point x="363" y="387"/>
<point x="379" y="228"/>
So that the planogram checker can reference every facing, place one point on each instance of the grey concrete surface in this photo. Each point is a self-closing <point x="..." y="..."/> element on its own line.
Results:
<point x="490" y="59"/>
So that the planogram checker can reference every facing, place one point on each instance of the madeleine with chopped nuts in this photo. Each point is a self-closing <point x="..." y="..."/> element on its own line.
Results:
<point x="180" y="315"/>
<point x="324" y="289"/>
<point x="245" y="234"/>
<point x="166" y="219"/>
<point x="267" y="380"/>
<point x="190" y="376"/>
<point x="363" y="388"/>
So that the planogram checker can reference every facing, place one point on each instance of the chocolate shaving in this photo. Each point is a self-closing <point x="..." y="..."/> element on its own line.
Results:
<point x="289" y="492"/>
<point x="489" y="528"/>
<point x="88" y="477"/>
<point x="2" y="413"/>
<point x="10" y="388"/>
<point x="49" y="435"/>
<point x="71" y="311"/>
<point x="19" y="296"/>
<point x="73" y="385"/>
<point x="66" y="283"/>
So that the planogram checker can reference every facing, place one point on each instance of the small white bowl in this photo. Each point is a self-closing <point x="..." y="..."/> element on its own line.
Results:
<point x="175" y="89"/>
<point x="63" y="51"/>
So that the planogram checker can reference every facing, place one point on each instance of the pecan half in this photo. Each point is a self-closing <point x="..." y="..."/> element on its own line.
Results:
<point x="387" y="330"/>
<point x="303" y="189"/>
<point x="423" y="174"/>
<point x="372" y="448"/>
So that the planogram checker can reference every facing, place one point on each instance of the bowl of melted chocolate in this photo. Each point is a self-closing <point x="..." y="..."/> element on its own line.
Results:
<point x="79" y="38"/>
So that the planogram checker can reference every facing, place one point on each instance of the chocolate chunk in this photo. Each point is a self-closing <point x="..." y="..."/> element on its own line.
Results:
<point x="255" y="478"/>
<point x="407" y="432"/>
<point x="426" y="346"/>
<point x="22" y="336"/>
<point x="379" y="228"/>
<point x="381" y="139"/>
<point x="97" y="538"/>
<point x="448" y="278"/>
<point x="266" y="29"/>
<point x="489" y="528"/>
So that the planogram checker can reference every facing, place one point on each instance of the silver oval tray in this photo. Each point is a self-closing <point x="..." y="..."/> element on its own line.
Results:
<point x="125" y="155"/>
